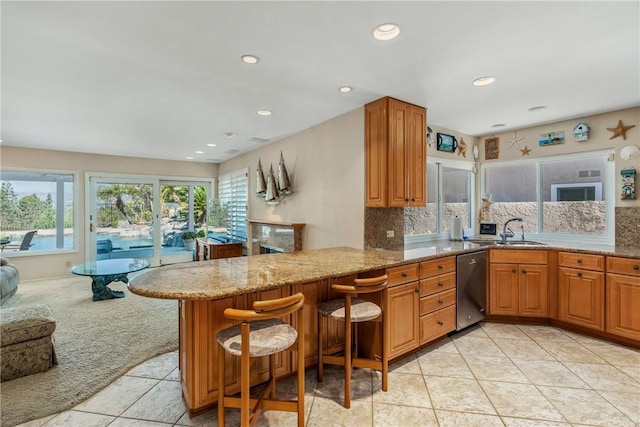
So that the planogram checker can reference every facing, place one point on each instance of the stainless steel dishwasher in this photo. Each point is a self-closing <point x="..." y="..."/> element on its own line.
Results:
<point x="471" y="276"/>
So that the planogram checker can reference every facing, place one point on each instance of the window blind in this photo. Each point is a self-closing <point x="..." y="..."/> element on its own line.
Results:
<point x="233" y="188"/>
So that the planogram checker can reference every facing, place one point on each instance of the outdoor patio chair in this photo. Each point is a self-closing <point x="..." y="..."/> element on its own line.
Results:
<point x="25" y="244"/>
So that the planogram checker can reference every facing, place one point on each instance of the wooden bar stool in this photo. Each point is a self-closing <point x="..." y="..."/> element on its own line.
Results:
<point x="261" y="333"/>
<point x="354" y="310"/>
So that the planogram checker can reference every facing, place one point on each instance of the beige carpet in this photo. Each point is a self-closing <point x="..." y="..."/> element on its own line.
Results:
<point x="96" y="342"/>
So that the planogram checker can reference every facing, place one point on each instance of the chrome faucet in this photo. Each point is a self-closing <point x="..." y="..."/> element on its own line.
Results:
<point x="506" y="232"/>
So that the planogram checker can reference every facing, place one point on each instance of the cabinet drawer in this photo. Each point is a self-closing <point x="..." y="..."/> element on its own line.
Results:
<point x="437" y="266"/>
<point x="627" y="266"/>
<point x="585" y="261"/>
<point x="402" y="274"/>
<point x="437" y="324"/>
<point x="437" y="284"/>
<point x="437" y="301"/>
<point x="518" y="256"/>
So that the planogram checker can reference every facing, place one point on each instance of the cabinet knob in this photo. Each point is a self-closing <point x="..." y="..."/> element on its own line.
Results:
<point x="524" y="271"/>
<point x="579" y="274"/>
<point x="440" y="323"/>
<point x="514" y="270"/>
<point x="417" y="290"/>
<point x="579" y="260"/>
<point x="406" y="200"/>
<point x="636" y="267"/>
<point x="440" y="301"/>
<point x="440" y="267"/>
<point x="413" y="200"/>
<point x="440" y="284"/>
<point x="404" y="274"/>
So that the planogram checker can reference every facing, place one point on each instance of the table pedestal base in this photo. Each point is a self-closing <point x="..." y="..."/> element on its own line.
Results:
<point x="100" y="289"/>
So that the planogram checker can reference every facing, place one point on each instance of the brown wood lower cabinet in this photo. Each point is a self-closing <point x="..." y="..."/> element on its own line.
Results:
<point x="623" y="297"/>
<point x="581" y="290"/>
<point x="517" y="288"/>
<point x="403" y="306"/>
<point x="437" y="298"/>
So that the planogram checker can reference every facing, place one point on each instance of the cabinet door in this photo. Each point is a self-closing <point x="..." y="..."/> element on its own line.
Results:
<point x="503" y="289"/>
<point x="581" y="297"/>
<point x="623" y="312"/>
<point x="417" y="156"/>
<point x="398" y="151"/>
<point x="403" y="306"/>
<point x="376" y="154"/>
<point x="532" y="292"/>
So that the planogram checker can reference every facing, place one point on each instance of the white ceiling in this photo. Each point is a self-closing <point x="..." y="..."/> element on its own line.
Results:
<point x="164" y="79"/>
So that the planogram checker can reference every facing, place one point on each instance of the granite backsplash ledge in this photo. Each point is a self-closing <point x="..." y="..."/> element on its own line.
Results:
<point x="628" y="226"/>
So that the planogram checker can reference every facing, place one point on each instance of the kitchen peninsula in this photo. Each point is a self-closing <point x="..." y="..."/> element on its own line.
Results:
<point x="204" y="289"/>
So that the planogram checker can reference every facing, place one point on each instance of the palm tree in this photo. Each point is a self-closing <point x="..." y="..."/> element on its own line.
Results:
<point x="113" y="192"/>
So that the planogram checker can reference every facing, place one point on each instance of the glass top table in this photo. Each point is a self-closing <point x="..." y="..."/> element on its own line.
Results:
<point x="103" y="272"/>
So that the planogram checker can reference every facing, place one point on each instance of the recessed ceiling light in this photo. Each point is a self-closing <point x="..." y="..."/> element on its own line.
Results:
<point x="199" y="152"/>
<point x="538" y="108"/>
<point x="189" y="158"/>
<point x="211" y="145"/>
<point x="386" y="32"/>
<point x="483" y="81"/>
<point x="229" y="135"/>
<point x="345" y="89"/>
<point x="249" y="59"/>
<point x="264" y="112"/>
<point x="498" y="125"/>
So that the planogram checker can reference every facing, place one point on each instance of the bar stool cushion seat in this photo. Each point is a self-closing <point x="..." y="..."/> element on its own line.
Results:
<point x="361" y="309"/>
<point x="265" y="337"/>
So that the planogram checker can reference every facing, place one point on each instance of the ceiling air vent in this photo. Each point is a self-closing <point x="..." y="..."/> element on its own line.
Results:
<point x="214" y="160"/>
<point x="595" y="173"/>
<point x="583" y="174"/>
<point x="259" y="140"/>
<point x="231" y="151"/>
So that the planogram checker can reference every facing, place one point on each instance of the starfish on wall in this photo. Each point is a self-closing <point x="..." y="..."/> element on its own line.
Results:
<point x="620" y="130"/>
<point x="525" y="151"/>
<point x="462" y="148"/>
<point x="515" y="141"/>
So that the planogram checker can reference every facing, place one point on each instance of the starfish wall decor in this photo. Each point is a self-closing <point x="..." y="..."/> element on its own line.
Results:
<point x="620" y="130"/>
<point x="462" y="148"/>
<point x="515" y="141"/>
<point x="525" y="151"/>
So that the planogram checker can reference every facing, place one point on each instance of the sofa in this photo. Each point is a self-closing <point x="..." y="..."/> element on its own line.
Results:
<point x="9" y="279"/>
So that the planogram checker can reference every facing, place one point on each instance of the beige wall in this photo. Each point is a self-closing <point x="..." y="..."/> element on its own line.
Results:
<point x="598" y="140"/>
<point x="326" y="164"/>
<point x="35" y="267"/>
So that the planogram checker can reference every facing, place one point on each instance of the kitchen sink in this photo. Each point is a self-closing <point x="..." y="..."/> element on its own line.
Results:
<point x="519" y="243"/>
<point x="484" y="242"/>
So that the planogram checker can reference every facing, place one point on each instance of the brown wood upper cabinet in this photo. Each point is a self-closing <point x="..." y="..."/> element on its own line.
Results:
<point x="395" y="154"/>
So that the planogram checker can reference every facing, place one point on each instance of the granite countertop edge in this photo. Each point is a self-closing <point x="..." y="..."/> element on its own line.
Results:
<point x="228" y="277"/>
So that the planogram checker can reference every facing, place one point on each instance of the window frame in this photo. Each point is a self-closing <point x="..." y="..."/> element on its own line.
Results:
<point x="76" y="213"/>
<point x="608" y="190"/>
<point x="440" y="163"/>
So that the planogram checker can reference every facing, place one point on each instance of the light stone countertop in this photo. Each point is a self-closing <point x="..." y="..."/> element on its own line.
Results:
<point x="221" y="278"/>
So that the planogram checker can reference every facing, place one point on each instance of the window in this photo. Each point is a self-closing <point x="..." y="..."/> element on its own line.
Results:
<point x="561" y="195"/>
<point x="449" y="193"/>
<point x="40" y="201"/>
<point x="232" y="194"/>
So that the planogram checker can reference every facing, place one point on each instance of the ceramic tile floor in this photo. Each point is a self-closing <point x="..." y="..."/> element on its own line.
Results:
<point x="488" y="375"/>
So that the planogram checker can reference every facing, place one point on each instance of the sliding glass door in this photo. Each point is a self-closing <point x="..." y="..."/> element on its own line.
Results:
<point x="121" y="219"/>
<point x="143" y="217"/>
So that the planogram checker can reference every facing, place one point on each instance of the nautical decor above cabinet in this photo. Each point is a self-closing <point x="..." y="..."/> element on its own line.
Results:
<point x="395" y="154"/>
